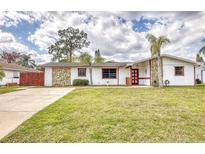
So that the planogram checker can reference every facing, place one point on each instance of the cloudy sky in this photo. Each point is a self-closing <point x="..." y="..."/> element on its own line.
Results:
<point x="120" y="36"/>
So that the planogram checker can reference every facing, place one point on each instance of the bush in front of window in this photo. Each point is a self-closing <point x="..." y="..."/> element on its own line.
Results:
<point x="80" y="82"/>
<point x="198" y="81"/>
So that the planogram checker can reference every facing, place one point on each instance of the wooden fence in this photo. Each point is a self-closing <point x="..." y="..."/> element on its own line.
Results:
<point x="31" y="79"/>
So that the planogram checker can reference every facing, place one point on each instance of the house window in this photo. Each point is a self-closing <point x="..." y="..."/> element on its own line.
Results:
<point x="179" y="70"/>
<point x="81" y="72"/>
<point x="108" y="73"/>
<point x="15" y="75"/>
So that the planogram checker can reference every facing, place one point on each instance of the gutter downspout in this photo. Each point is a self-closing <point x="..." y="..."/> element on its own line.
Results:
<point x="131" y="75"/>
<point x="194" y="75"/>
<point x="91" y="79"/>
<point x="150" y="75"/>
<point x="118" y="76"/>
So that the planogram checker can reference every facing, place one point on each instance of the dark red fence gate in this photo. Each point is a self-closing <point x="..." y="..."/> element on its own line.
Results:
<point x="31" y="79"/>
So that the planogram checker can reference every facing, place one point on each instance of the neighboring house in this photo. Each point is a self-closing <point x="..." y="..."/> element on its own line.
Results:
<point x="12" y="72"/>
<point x="178" y="71"/>
<point x="200" y="72"/>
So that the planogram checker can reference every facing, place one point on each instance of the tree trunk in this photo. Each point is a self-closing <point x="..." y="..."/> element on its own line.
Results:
<point x="91" y="79"/>
<point x="160" y="82"/>
<point x="70" y="57"/>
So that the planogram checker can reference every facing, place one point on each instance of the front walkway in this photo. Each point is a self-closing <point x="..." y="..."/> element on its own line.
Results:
<point x="16" y="107"/>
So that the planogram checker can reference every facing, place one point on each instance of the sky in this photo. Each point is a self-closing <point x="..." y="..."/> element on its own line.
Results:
<point x="120" y="36"/>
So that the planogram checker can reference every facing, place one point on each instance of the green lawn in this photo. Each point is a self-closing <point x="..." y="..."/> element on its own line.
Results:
<point x="174" y="114"/>
<point x="8" y="89"/>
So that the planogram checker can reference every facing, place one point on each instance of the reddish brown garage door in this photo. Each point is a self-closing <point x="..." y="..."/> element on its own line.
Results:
<point x="31" y="79"/>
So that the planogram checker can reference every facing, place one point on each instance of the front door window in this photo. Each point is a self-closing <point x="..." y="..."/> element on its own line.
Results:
<point x="135" y="77"/>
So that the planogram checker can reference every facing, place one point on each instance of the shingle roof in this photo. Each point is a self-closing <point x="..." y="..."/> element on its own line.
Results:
<point x="63" y="64"/>
<point x="110" y="64"/>
<point x="16" y="67"/>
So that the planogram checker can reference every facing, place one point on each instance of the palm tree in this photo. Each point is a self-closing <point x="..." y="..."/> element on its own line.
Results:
<point x="202" y="50"/>
<point x="199" y="58"/>
<point x="98" y="58"/>
<point x="199" y="55"/>
<point x="2" y="74"/>
<point x="85" y="58"/>
<point x="25" y="60"/>
<point x="155" y="47"/>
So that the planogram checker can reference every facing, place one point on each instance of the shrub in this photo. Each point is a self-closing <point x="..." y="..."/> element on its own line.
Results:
<point x="198" y="81"/>
<point x="80" y="82"/>
<point x="12" y="84"/>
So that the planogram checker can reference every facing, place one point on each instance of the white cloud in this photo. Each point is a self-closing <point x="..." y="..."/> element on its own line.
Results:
<point x="104" y="31"/>
<point x="117" y="41"/>
<point x="47" y="33"/>
<point x="13" y="18"/>
<point x="8" y="43"/>
<point x="185" y="32"/>
<point x="6" y="37"/>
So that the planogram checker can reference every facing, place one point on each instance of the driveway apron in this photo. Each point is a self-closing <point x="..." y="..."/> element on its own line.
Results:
<point x="16" y="107"/>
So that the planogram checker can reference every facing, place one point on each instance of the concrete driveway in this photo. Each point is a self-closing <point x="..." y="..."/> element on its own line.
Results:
<point x="16" y="107"/>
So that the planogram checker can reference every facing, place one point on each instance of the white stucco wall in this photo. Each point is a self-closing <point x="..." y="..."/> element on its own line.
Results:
<point x="123" y="73"/>
<point x="144" y="72"/>
<point x="9" y="77"/>
<point x="169" y="72"/>
<point x="96" y="75"/>
<point x="74" y="74"/>
<point x="48" y="76"/>
<point x="203" y="76"/>
<point x="98" y="80"/>
<point x="200" y="73"/>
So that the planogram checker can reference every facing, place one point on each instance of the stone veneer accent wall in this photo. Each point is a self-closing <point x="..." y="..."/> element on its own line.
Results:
<point x="154" y="76"/>
<point x="61" y="76"/>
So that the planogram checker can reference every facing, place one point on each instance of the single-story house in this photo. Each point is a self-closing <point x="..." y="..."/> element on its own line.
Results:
<point x="175" y="71"/>
<point x="200" y="72"/>
<point x="62" y="74"/>
<point x="12" y="72"/>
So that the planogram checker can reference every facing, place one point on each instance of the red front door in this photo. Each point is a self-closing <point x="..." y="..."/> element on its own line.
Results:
<point x="135" y="75"/>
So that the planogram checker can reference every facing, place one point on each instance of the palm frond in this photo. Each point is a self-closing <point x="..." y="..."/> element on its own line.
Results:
<point x="199" y="58"/>
<point x="202" y="50"/>
<point x="151" y="38"/>
<point x="85" y="58"/>
<point x="163" y="40"/>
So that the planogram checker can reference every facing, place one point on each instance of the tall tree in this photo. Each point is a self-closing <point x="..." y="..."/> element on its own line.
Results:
<point x="25" y="60"/>
<point x="85" y="58"/>
<point x="201" y="52"/>
<point x="69" y="40"/>
<point x="199" y="58"/>
<point x="2" y="74"/>
<point x="98" y="58"/>
<point x="10" y="57"/>
<point x="155" y="47"/>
